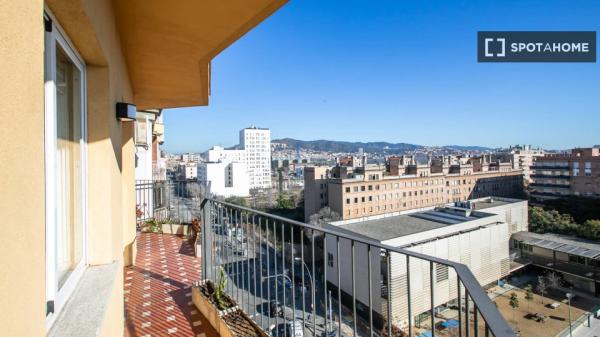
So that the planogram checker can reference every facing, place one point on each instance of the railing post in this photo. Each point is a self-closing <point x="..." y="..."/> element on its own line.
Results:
<point x="206" y="240"/>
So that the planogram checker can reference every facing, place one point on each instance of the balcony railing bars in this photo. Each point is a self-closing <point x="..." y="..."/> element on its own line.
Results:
<point x="165" y="200"/>
<point x="280" y="271"/>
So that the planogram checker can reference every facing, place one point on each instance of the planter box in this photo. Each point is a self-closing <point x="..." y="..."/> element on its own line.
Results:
<point x="218" y="318"/>
<point x="177" y="229"/>
<point x="173" y="228"/>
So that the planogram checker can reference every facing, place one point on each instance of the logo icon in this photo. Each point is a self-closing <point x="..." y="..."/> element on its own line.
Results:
<point x="502" y="44"/>
<point x="536" y="46"/>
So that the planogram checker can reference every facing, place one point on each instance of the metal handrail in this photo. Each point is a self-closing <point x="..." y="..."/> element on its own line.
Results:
<point x="492" y="317"/>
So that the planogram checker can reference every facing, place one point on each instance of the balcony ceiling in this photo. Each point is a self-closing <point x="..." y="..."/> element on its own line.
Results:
<point x="168" y="45"/>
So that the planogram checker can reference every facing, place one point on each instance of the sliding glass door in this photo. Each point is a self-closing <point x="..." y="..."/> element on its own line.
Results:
<point x="65" y="154"/>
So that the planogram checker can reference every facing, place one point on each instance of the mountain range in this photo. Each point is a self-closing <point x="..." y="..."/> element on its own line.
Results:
<point x="370" y="147"/>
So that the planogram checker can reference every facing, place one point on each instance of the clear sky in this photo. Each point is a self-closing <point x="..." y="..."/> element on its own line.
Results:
<point x="397" y="71"/>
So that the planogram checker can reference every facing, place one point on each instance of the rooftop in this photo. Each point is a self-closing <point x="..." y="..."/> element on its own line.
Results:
<point x="562" y="243"/>
<point x="489" y="203"/>
<point x="391" y="227"/>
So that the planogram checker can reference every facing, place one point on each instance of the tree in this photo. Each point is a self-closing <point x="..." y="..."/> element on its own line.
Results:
<point x="285" y="203"/>
<point x="323" y="217"/>
<point x="554" y="280"/>
<point x="237" y="201"/>
<point x="528" y="295"/>
<point x="542" y="286"/>
<point x="543" y="221"/>
<point x="514" y="304"/>
<point x="590" y="229"/>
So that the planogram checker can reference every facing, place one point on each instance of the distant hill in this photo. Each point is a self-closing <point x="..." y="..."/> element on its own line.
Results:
<point x="369" y="147"/>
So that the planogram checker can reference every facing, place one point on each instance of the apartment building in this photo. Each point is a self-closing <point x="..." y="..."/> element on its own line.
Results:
<point x="148" y="136"/>
<point x="257" y="144"/>
<point x="403" y="184"/>
<point x="576" y="173"/>
<point x="217" y="154"/>
<point x="476" y="233"/>
<point x="522" y="157"/>
<point x="68" y="160"/>
<point x="225" y="178"/>
<point x="190" y="157"/>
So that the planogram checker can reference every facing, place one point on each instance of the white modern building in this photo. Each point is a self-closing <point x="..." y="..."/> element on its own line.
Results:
<point x="257" y="144"/>
<point x="217" y="154"/>
<point x="475" y="233"/>
<point x="187" y="171"/>
<point x="190" y="158"/>
<point x="225" y="178"/>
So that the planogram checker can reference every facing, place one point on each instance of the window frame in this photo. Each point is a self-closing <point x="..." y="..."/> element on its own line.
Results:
<point x="56" y="297"/>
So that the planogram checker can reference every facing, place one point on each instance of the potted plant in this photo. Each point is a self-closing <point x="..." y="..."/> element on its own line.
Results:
<point x="221" y="311"/>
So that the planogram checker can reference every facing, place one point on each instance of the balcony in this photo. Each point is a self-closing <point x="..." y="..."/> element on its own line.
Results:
<point x="550" y="185"/>
<point x="271" y="261"/>
<point x="277" y="273"/>
<point x="544" y="176"/>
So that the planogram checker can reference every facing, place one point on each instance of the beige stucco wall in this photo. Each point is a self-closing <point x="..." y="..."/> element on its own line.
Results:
<point x="111" y="222"/>
<point x="22" y="247"/>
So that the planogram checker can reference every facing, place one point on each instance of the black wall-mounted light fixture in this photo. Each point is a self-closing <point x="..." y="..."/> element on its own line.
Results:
<point x="126" y="112"/>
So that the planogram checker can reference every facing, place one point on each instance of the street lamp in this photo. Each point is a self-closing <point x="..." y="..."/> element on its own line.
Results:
<point x="569" y="296"/>
<point x="297" y="258"/>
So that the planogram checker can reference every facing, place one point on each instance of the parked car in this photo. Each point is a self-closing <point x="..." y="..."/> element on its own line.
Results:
<point x="275" y="309"/>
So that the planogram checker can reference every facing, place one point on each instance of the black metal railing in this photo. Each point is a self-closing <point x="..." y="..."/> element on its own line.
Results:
<point x="166" y="200"/>
<point x="285" y="273"/>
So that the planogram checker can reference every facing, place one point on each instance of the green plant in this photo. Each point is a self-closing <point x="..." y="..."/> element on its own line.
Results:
<point x="153" y="226"/>
<point x="514" y="303"/>
<point x="219" y="293"/>
<point x="528" y="294"/>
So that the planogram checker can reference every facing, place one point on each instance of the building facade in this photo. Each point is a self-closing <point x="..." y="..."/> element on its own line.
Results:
<point x="257" y="144"/>
<point x="357" y="192"/>
<point x="570" y="174"/>
<point x="523" y="157"/>
<point x="475" y="233"/>
<point x="225" y="178"/>
<point x="68" y="164"/>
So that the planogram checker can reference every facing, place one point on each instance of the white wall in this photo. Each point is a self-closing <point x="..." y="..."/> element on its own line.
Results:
<point x="143" y="162"/>
<point x="257" y="144"/>
<point x="225" y="179"/>
<point x="483" y="250"/>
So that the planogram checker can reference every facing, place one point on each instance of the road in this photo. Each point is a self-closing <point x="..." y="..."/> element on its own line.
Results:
<point x="255" y="280"/>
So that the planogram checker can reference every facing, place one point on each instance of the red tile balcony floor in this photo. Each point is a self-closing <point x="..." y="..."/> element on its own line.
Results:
<point x="158" y="299"/>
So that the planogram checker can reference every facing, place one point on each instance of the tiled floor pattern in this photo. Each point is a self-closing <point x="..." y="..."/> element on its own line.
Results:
<point x="158" y="299"/>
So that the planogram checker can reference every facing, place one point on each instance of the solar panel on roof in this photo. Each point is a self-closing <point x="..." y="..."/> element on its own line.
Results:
<point x="567" y="248"/>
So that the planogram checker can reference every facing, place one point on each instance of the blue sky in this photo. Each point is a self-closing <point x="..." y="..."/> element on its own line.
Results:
<point x="397" y="71"/>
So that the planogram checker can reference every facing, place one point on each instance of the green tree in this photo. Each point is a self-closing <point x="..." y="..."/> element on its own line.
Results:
<point x="237" y="201"/>
<point x="543" y="221"/>
<point x="514" y="304"/>
<point x="528" y="295"/>
<point x="285" y="203"/>
<point x="590" y="230"/>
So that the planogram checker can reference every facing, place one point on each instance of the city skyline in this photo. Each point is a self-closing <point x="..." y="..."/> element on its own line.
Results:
<point x="396" y="72"/>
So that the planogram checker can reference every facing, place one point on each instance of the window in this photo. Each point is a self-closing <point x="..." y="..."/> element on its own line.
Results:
<point x="65" y="153"/>
<point x="347" y="201"/>
<point x="330" y="260"/>
<point x="347" y="189"/>
<point x="362" y="188"/>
